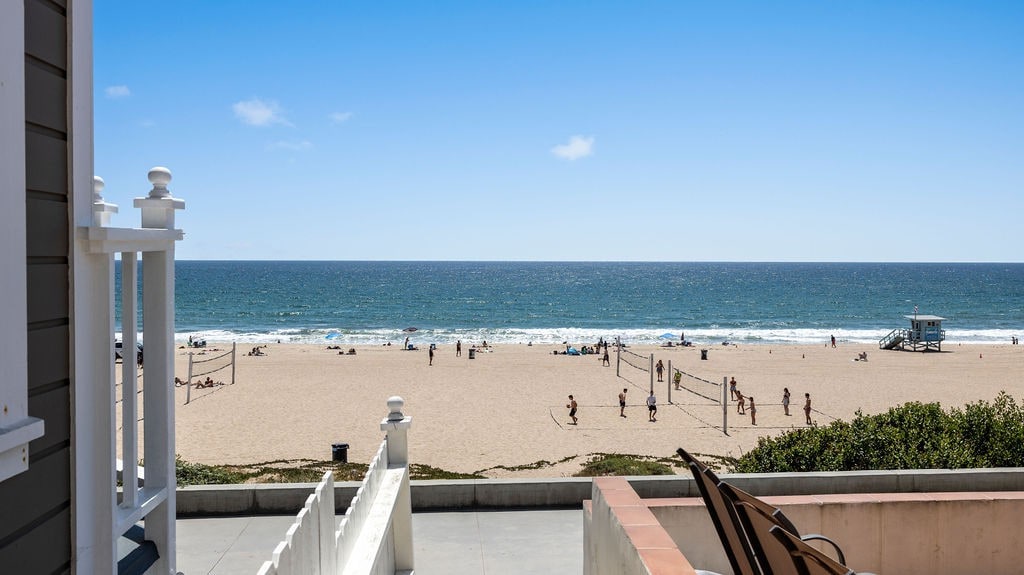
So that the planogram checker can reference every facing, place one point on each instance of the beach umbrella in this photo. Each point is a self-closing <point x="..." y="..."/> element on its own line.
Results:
<point x="667" y="336"/>
<point x="410" y="329"/>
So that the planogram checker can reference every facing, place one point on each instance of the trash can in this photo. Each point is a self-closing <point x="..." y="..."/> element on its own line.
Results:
<point x="339" y="452"/>
<point x="472" y="353"/>
<point x="703" y="354"/>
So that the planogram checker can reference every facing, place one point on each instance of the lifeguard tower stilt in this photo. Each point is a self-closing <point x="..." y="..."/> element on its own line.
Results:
<point x="925" y="334"/>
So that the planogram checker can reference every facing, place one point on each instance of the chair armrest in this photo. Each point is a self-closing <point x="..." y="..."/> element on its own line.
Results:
<point x="819" y="537"/>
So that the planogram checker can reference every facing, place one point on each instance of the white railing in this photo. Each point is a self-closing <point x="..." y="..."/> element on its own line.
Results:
<point x="375" y="535"/>
<point x="100" y="518"/>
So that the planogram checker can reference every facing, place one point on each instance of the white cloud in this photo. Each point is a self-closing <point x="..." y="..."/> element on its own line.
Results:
<point x="339" y="117"/>
<point x="256" y="112"/>
<point x="116" y="92"/>
<point x="291" y="145"/>
<point x="578" y="147"/>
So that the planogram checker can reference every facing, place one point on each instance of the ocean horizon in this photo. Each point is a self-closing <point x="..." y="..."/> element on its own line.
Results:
<point x="776" y="303"/>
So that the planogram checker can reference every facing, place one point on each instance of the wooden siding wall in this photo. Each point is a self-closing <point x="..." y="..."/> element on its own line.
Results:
<point x="35" y="506"/>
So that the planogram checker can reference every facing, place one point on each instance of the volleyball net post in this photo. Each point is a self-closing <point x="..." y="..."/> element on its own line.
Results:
<point x="650" y="371"/>
<point x="725" y="405"/>
<point x="618" y="357"/>
<point x="188" y="382"/>
<point x="668" y="385"/>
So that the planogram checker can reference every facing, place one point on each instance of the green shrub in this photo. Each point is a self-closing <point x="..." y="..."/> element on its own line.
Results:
<point x="912" y="436"/>
<point x="604" y="464"/>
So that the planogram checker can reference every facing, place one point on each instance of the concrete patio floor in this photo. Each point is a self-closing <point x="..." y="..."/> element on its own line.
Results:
<point x="446" y="543"/>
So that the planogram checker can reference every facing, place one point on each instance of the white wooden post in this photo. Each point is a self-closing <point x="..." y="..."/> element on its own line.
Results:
<point x="95" y="460"/>
<point x="129" y="382"/>
<point x="396" y="425"/>
<point x="158" y="372"/>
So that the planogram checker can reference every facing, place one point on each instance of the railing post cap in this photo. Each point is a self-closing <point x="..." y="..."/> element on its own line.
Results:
<point x="395" y="405"/>
<point x="159" y="176"/>
<point x="97" y="188"/>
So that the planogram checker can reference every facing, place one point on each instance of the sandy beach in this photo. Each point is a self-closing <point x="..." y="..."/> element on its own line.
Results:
<point x="507" y="407"/>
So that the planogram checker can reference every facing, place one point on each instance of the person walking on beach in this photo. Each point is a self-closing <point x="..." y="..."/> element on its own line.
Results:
<point x="740" y="403"/>
<point x="807" y="407"/>
<point x="660" y="368"/>
<point x="652" y="407"/>
<point x="430" y="353"/>
<point x="732" y="388"/>
<point x="622" y="403"/>
<point x="833" y="341"/>
<point x="605" y="360"/>
<point x="753" y="411"/>
<point x="572" y="409"/>
<point x="458" y="348"/>
<point x="785" y="400"/>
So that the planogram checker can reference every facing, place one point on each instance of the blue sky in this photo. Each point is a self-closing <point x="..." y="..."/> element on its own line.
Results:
<point x="655" y="131"/>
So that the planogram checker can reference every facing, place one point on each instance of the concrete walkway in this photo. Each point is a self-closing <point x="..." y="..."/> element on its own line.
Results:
<point x="450" y="543"/>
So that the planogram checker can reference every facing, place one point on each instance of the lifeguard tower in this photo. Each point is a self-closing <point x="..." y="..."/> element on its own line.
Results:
<point x="925" y="334"/>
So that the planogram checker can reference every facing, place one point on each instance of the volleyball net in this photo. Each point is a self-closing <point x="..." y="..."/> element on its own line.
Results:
<point x="206" y="367"/>
<point x="683" y="381"/>
<point x="641" y="362"/>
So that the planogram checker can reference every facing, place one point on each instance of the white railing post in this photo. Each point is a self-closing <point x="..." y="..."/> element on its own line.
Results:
<point x="95" y="483"/>
<point x="129" y="382"/>
<point x="396" y="425"/>
<point x="158" y="370"/>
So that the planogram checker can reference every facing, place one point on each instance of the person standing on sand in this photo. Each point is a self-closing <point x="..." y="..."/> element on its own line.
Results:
<point x="732" y="388"/>
<point x="431" y="355"/>
<point x="622" y="402"/>
<point x="833" y="341"/>
<point x="458" y="348"/>
<point x="660" y="368"/>
<point x="807" y="408"/>
<point x="605" y="360"/>
<point x="753" y="411"/>
<point x="652" y="407"/>
<point x="785" y="400"/>
<point x="740" y="403"/>
<point x="572" y="409"/>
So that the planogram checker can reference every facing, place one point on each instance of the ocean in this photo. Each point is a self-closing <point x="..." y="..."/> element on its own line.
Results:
<point x="371" y="303"/>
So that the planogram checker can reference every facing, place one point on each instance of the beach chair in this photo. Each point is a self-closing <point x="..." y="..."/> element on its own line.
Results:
<point x="806" y="559"/>
<point x="747" y="554"/>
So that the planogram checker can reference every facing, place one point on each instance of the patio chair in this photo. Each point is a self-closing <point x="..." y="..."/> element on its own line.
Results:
<point x="757" y="518"/>
<point x="807" y="559"/>
<point x="745" y="553"/>
<point x="727" y="525"/>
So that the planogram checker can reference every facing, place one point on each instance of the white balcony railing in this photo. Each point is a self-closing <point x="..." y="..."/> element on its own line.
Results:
<point x="100" y="518"/>
<point x="375" y="535"/>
